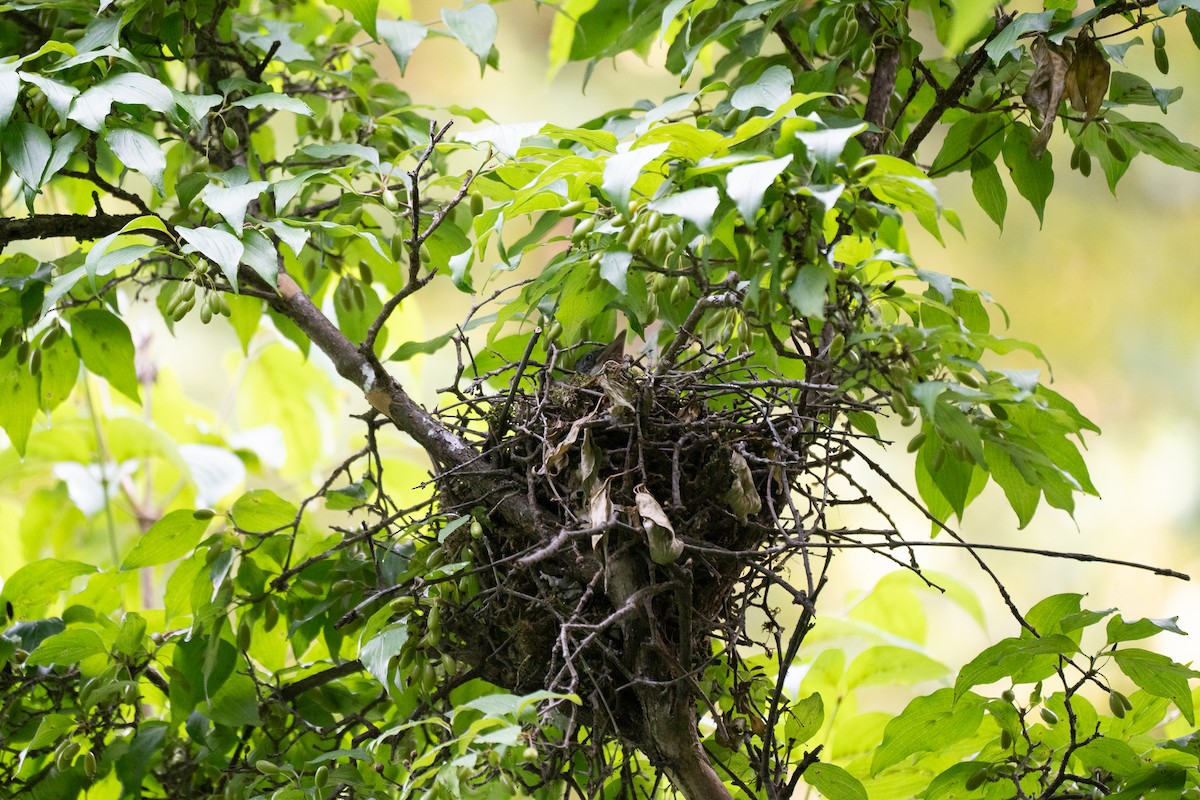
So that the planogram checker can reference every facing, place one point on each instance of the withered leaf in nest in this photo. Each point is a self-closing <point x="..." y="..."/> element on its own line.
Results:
<point x="665" y="546"/>
<point x="1087" y="79"/>
<point x="620" y="389"/>
<point x="742" y="497"/>
<point x="589" y="457"/>
<point x="600" y="506"/>
<point x="1045" y="89"/>
<point x="556" y="456"/>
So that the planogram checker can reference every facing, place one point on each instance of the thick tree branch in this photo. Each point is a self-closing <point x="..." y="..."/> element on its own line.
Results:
<point x="957" y="88"/>
<point x="79" y="227"/>
<point x="879" y="99"/>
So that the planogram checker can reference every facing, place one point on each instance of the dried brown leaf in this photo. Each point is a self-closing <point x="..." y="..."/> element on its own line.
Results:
<point x="742" y="496"/>
<point x="1045" y="89"/>
<point x="1087" y="78"/>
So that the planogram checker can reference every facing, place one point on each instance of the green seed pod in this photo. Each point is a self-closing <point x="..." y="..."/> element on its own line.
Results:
<point x="434" y="623"/>
<point x="680" y="291"/>
<point x="321" y="777"/>
<point x="939" y="459"/>
<point x="388" y="198"/>
<point x="428" y="677"/>
<point x="206" y="313"/>
<point x="1006" y="739"/>
<point x="619" y="221"/>
<point x="187" y="45"/>
<point x="229" y="138"/>
<point x="1048" y="716"/>
<point x="267" y="767"/>
<point x="998" y="411"/>
<point x="476" y="525"/>
<point x="476" y="204"/>
<point x="398" y="246"/>
<point x="270" y="616"/>
<point x="1159" y="37"/>
<point x="976" y="780"/>
<point x="186" y="290"/>
<point x="1114" y="701"/>
<point x="1075" y="153"/>
<point x="530" y="755"/>
<point x="656" y="249"/>
<point x="243" y="635"/>
<point x="35" y="363"/>
<point x="404" y="604"/>
<point x="426" y="255"/>
<point x="968" y="380"/>
<point x="436" y="558"/>
<point x="23" y="352"/>
<point x="900" y="403"/>
<point x="730" y="120"/>
<point x="1009" y="696"/>
<point x="837" y="347"/>
<point x="1114" y="147"/>
<point x="309" y="586"/>
<point x="366" y="275"/>
<point x="89" y="765"/>
<point x="867" y="60"/>
<point x="915" y="443"/>
<point x="408" y="654"/>
<point x="66" y="754"/>
<point x="637" y="238"/>
<point x="1161" y="60"/>
<point x="572" y="208"/>
<point x="582" y="229"/>
<point x="222" y="305"/>
<point x="1085" y="163"/>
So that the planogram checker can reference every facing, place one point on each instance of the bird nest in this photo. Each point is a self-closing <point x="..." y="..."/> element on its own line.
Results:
<point x="670" y="504"/>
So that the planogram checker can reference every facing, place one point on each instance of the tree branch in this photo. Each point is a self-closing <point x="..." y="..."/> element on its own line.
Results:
<point x="79" y="227"/>
<point x="883" y="86"/>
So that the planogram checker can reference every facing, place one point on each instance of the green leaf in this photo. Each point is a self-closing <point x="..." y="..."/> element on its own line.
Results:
<point x="106" y="348"/>
<point x="966" y="21"/>
<point x="928" y="724"/>
<point x="36" y="583"/>
<point x="1155" y="140"/>
<point x="834" y="783"/>
<point x="697" y="206"/>
<point x="139" y="152"/>
<point x="772" y="89"/>
<point x="1033" y="177"/>
<point x="60" y="373"/>
<point x="825" y="144"/>
<point x="402" y="37"/>
<point x="747" y="183"/>
<point x="222" y="248"/>
<point x="378" y="651"/>
<point x="231" y="202"/>
<point x="1022" y="497"/>
<point x="69" y="647"/>
<point x="805" y="718"/>
<point x="1006" y="40"/>
<point x="363" y="11"/>
<point x="888" y="664"/>
<point x="428" y="347"/>
<point x="622" y="171"/>
<point x="27" y="151"/>
<point x="10" y="87"/>
<point x="50" y="730"/>
<point x="172" y="537"/>
<point x="1159" y="676"/>
<point x="989" y="189"/>
<point x="475" y="27"/>
<point x="808" y="290"/>
<point x="274" y="101"/>
<point x="1121" y="631"/>
<point x="1015" y="657"/>
<point x="262" y="511"/>
<point x="20" y="404"/>
<point x="235" y="703"/>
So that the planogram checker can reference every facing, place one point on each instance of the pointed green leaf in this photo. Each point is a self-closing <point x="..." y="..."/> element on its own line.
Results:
<point x="1033" y="177"/>
<point x="106" y="347"/>
<point x="747" y="183"/>
<point x="27" y="151"/>
<point x="37" y="583"/>
<point x="275" y="101"/>
<point x="475" y="27"/>
<point x="20" y="404"/>
<point x="1159" y="676"/>
<point x="697" y="206"/>
<point x="170" y="538"/>
<point x="772" y="89"/>
<point x="363" y="11"/>
<point x="223" y="249"/>
<point x="231" y="202"/>
<point x="139" y="152"/>
<point x="928" y="723"/>
<point x="834" y="782"/>
<point x="68" y="647"/>
<point x="402" y="37"/>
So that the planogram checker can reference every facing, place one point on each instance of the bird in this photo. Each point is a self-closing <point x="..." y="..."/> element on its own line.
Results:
<point x="592" y="362"/>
